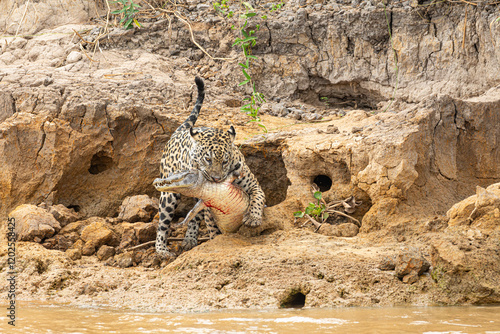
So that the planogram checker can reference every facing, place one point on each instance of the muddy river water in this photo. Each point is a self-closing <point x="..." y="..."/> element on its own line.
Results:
<point x="39" y="318"/>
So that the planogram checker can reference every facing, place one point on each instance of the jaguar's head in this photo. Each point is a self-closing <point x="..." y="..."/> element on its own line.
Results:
<point x="213" y="152"/>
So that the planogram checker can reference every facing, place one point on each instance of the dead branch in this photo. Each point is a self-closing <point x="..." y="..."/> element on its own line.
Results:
<point x="314" y="222"/>
<point x="345" y="215"/>
<point x="350" y="204"/>
<point x="22" y="18"/>
<point x="149" y="243"/>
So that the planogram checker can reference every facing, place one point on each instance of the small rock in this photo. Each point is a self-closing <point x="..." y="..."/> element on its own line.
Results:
<point x="486" y="202"/>
<point x="446" y="252"/>
<point x="78" y="244"/>
<point x="265" y="108"/>
<point x="124" y="260"/>
<point x="73" y="57"/>
<point x="410" y="262"/>
<point x="332" y="129"/>
<point x="105" y="252"/>
<point x="311" y="117"/>
<point x="61" y="242"/>
<point x="74" y="253"/>
<point x="387" y="263"/>
<point x="50" y="243"/>
<point x="410" y="278"/>
<point x="63" y="215"/>
<point x="98" y="233"/>
<point x="34" y="223"/>
<point x="128" y="234"/>
<point x="435" y="224"/>
<point x="295" y="115"/>
<point x="18" y="43"/>
<point x="279" y="109"/>
<point x="36" y="82"/>
<point x="145" y="232"/>
<point x="75" y="227"/>
<point x="138" y="208"/>
<point x="89" y="248"/>
<point x="55" y="62"/>
<point x="66" y="241"/>
<point x="295" y="111"/>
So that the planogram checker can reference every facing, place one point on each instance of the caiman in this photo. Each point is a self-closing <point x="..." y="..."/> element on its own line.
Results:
<point x="227" y="201"/>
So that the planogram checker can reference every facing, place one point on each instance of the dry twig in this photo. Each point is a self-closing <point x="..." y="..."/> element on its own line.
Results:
<point x="22" y="18"/>
<point x="345" y="215"/>
<point x="314" y="222"/>
<point x="467" y="2"/>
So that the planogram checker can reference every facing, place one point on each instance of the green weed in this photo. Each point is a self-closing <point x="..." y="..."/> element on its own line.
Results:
<point x="316" y="210"/>
<point x="246" y="40"/>
<point x="129" y="9"/>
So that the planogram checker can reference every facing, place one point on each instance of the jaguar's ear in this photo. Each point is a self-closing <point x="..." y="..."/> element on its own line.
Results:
<point x="194" y="133"/>
<point x="232" y="133"/>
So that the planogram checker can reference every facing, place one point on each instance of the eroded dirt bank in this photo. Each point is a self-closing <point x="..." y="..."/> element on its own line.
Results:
<point x="81" y="139"/>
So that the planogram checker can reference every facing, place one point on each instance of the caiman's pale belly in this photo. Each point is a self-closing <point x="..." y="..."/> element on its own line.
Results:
<point x="228" y="204"/>
<point x="227" y="201"/>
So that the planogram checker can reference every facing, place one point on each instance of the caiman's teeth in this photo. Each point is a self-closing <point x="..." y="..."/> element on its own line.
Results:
<point x="160" y="183"/>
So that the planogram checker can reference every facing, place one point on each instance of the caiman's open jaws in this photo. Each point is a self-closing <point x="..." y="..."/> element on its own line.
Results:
<point x="226" y="200"/>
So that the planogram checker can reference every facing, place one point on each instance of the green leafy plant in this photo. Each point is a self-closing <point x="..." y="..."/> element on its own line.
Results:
<point x="315" y="210"/>
<point x="246" y="40"/>
<point x="128" y="10"/>
<point x="324" y="99"/>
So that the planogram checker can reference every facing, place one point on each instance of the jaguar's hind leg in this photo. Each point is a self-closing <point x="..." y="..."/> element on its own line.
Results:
<point x="191" y="238"/>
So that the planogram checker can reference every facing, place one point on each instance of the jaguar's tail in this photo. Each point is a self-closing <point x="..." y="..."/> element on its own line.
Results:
<point x="189" y="122"/>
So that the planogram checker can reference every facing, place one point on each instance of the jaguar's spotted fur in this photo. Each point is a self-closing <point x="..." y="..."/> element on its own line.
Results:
<point x="212" y="151"/>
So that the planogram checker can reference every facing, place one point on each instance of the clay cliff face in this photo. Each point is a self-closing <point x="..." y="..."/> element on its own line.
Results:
<point x="82" y="149"/>
<point x="72" y="132"/>
<point x="411" y="126"/>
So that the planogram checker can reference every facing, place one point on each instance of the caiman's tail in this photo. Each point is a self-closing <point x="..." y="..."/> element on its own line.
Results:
<point x="189" y="122"/>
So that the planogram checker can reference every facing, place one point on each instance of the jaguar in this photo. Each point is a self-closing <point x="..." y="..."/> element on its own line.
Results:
<point x="211" y="151"/>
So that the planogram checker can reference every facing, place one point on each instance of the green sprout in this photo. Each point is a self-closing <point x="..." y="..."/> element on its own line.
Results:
<point x="128" y="10"/>
<point x="315" y="210"/>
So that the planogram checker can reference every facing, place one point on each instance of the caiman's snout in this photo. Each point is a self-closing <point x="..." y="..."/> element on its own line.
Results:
<point x="178" y="180"/>
<point x="160" y="183"/>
